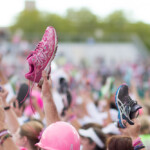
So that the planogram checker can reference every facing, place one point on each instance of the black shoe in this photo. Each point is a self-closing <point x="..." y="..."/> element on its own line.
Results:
<point x="127" y="107"/>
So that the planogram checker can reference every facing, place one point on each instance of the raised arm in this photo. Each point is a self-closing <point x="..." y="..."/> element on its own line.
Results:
<point x="133" y="132"/>
<point x="50" y="110"/>
<point x="10" y="116"/>
<point x="2" y="76"/>
<point x="138" y="99"/>
<point x="6" y="142"/>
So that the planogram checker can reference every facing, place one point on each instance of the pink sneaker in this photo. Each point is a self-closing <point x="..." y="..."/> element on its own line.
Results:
<point x="40" y="59"/>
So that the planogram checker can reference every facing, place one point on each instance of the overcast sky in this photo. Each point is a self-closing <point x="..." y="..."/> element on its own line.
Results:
<point x="137" y="10"/>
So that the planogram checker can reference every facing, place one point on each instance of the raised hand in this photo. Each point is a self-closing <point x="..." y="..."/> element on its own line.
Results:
<point x="47" y="85"/>
<point x="133" y="130"/>
<point x="15" y="106"/>
<point x="2" y="114"/>
<point x="3" y="95"/>
<point x="50" y="110"/>
<point x="1" y="56"/>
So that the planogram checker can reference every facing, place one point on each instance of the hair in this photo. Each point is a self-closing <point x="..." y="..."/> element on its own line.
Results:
<point x="101" y="136"/>
<point x="119" y="143"/>
<point x="145" y="124"/>
<point x="99" y="133"/>
<point x="91" y="125"/>
<point x="32" y="130"/>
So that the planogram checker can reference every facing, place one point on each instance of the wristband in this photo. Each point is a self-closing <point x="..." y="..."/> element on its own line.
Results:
<point x="3" y="133"/>
<point x="7" y="108"/>
<point x="137" y="144"/>
<point x="3" y="130"/>
<point x="4" y="138"/>
<point x="135" y="141"/>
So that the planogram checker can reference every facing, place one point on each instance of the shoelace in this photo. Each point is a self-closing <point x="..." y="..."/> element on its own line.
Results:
<point x="40" y="44"/>
<point x="29" y="92"/>
<point x="38" y="47"/>
<point x="42" y="55"/>
<point x="130" y="102"/>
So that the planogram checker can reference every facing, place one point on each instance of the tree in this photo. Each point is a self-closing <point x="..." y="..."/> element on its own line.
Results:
<point x="117" y="21"/>
<point x="79" y="25"/>
<point x="84" y="21"/>
<point x="30" y="22"/>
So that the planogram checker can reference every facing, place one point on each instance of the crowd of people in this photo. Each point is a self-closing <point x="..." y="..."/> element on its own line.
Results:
<point x="74" y="108"/>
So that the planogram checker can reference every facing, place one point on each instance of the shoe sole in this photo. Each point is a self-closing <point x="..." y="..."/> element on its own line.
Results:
<point x="48" y="68"/>
<point x="119" y="115"/>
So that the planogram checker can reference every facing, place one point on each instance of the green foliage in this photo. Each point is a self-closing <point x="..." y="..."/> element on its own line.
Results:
<point x="79" y="25"/>
<point x="116" y="21"/>
<point x="30" y="22"/>
<point x="83" y="20"/>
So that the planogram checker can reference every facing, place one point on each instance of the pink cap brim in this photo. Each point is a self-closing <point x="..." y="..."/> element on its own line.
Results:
<point x="44" y="147"/>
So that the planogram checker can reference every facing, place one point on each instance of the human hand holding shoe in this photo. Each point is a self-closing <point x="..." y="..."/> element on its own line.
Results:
<point x="133" y="130"/>
<point x="46" y="86"/>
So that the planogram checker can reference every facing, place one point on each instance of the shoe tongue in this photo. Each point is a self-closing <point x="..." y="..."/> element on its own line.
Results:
<point x="126" y="99"/>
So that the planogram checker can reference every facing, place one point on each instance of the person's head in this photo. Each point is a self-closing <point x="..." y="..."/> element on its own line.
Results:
<point x="119" y="143"/>
<point x="28" y="134"/>
<point x="61" y="136"/>
<point x="92" y="138"/>
<point x="145" y="124"/>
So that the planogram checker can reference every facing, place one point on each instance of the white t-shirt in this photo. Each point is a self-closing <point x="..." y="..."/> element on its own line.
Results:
<point x="99" y="117"/>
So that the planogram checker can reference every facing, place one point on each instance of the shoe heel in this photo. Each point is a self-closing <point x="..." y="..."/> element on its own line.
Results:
<point x="48" y="71"/>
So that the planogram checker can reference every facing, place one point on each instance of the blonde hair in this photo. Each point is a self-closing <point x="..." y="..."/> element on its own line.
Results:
<point x="31" y="130"/>
<point x="145" y="124"/>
